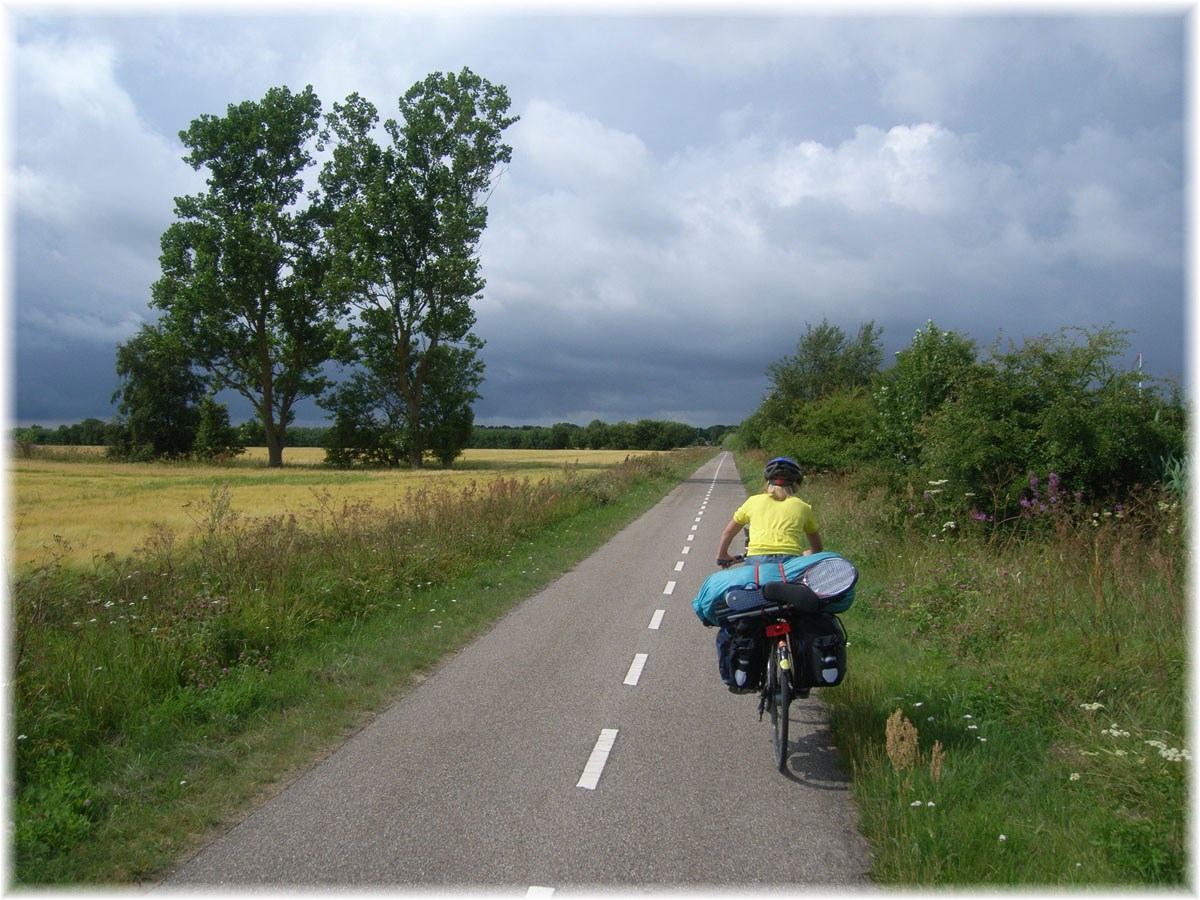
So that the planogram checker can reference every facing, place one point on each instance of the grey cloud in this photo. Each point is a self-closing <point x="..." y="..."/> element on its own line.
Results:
<point x="685" y="192"/>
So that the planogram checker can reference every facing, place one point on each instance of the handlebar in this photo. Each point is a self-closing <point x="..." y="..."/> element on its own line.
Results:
<point x="726" y="563"/>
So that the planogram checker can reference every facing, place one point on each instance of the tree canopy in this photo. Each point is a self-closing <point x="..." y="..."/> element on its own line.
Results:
<point x="405" y="219"/>
<point x="158" y="398"/>
<point x="243" y="266"/>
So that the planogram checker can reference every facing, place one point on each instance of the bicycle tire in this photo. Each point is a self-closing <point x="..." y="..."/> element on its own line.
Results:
<point x="768" y="693"/>
<point x="781" y="699"/>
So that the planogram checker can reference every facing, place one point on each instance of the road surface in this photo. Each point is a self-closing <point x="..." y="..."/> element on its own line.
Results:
<point x="585" y="743"/>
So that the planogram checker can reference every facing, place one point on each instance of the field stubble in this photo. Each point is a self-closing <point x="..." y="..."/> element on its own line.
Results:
<point x="80" y="506"/>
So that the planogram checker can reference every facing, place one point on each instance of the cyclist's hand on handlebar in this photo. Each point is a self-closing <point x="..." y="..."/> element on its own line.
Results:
<point x="727" y="561"/>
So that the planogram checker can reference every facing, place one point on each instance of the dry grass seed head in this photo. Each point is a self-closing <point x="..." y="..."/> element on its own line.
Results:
<point x="937" y="755"/>
<point x="901" y="742"/>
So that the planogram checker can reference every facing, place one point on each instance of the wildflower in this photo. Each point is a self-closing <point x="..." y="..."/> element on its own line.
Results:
<point x="1003" y="838"/>
<point x="1075" y="776"/>
<point x="22" y="737"/>
<point x="1091" y="707"/>
<point x="939" y="482"/>
<point x="931" y="804"/>
<point x="972" y="728"/>
<point x="915" y="804"/>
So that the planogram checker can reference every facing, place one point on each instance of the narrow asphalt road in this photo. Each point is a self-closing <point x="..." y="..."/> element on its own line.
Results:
<point x="585" y="743"/>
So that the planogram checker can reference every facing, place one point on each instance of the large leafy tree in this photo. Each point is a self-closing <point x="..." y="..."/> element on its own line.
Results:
<point x="158" y="400"/>
<point x="243" y="265"/>
<point x="406" y="217"/>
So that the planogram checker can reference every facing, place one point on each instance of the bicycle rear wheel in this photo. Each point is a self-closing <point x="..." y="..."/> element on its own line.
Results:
<point x="781" y="697"/>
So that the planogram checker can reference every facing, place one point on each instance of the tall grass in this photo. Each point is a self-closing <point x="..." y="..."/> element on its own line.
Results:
<point x="153" y="692"/>
<point x="1014" y="712"/>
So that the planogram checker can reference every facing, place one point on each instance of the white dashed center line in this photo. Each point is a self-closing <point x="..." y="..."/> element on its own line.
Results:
<point x="670" y="588"/>
<point x="635" y="668"/>
<point x="596" y="762"/>
<point x="657" y="618"/>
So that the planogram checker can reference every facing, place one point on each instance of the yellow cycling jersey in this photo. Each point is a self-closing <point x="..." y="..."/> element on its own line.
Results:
<point x="776" y="526"/>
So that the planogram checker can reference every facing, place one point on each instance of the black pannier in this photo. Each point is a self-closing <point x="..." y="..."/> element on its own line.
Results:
<point x="818" y="651"/>
<point x="741" y="655"/>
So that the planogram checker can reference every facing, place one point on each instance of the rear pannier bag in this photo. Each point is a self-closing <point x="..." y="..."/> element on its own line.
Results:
<point x="740" y="655"/>
<point x="818" y="651"/>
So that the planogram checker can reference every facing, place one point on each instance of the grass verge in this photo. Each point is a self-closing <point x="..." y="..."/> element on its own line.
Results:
<point x="1013" y="713"/>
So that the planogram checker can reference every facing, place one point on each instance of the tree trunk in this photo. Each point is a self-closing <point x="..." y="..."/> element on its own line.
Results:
<point x="274" y="445"/>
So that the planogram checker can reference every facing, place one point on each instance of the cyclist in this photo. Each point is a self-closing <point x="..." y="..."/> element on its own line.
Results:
<point x="779" y="520"/>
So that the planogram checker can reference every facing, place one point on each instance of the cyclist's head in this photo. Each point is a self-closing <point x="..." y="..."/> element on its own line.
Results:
<point x="783" y="472"/>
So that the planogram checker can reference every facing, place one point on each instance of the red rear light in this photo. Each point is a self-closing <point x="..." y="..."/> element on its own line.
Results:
<point x="779" y="629"/>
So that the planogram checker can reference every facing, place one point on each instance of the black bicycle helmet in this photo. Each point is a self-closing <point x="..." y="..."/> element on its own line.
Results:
<point x="784" y="471"/>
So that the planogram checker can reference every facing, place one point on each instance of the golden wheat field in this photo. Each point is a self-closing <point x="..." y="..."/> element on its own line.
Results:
<point x="79" y="508"/>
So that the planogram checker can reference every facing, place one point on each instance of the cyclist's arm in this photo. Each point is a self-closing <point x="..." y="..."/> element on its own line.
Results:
<point x="814" y="542"/>
<point x="726" y="538"/>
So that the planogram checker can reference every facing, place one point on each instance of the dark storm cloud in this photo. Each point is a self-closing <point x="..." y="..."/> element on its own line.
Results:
<point x="687" y="192"/>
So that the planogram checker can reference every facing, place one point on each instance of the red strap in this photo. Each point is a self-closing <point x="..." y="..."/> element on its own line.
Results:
<point x="782" y="574"/>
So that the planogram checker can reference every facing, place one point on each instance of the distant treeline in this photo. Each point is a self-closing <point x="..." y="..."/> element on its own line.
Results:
<point x="645" y="434"/>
